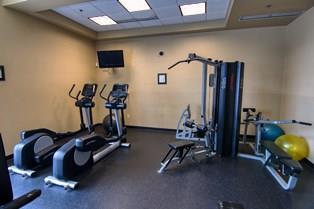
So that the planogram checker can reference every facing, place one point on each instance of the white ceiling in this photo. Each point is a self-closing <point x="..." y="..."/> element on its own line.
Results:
<point x="164" y="12"/>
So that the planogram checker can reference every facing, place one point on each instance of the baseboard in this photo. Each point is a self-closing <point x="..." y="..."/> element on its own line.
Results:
<point x="152" y="128"/>
<point x="9" y="157"/>
<point x="308" y="163"/>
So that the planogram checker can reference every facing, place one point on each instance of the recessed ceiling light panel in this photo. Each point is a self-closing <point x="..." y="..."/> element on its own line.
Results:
<point x="135" y="5"/>
<point x="103" y="20"/>
<point x="193" y="9"/>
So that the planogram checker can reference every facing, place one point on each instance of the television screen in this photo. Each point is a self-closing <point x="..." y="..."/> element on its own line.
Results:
<point x="110" y="59"/>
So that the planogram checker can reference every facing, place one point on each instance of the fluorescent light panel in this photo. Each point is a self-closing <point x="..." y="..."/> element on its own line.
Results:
<point x="103" y="20"/>
<point x="193" y="9"/>
<point x="135" y="5"/>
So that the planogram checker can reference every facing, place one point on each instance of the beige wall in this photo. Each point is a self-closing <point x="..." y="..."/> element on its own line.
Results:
<point x="151" y="105"/>
<point x="41" y="63"/>
<point x="298" y="77"/>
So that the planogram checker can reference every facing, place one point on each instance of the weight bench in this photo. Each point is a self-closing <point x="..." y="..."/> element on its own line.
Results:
<point x="281" y="165"/>
<point x="180" y="150"/>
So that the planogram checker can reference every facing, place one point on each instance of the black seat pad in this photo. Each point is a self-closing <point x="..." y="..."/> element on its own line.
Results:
<point x="275" y="150"/>
<point x="181" y="144"/>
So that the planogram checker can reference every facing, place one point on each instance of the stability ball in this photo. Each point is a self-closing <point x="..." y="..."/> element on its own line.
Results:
<point x="271" y="132"/>
<point x="295" y="146"/>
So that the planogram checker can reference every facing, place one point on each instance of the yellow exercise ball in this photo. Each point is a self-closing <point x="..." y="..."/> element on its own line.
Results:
<point x="295" y="146"/>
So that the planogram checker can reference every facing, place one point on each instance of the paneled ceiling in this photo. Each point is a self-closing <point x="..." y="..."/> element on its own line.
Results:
<point x="163" y="12"/>
<point x="164" y="17"/>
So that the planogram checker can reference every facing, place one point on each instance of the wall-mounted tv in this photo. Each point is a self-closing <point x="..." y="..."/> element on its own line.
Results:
<point x="110" y="59"/>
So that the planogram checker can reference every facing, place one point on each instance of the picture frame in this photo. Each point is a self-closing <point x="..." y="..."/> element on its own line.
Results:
<point x="162" y="78"/>
<point x="2" y="74"/>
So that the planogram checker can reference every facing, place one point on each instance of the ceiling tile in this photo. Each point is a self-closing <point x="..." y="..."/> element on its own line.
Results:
<point x="215" y="15"/>
<point x="143" y="14"/>
<point x="150" y="23"/>
<point x="111" y="27"/>
<point x="215" y="5"/>
<point x="130" y="25"/>
<point x="121" y="16"/>
<point x="217" y="9"/>
<point x="68" y="12"/>
<point x="109" y="7"/>
<point x="161" y="3"/>
<point x="170" y="11"/>
<point x="171" y="20"/>
<point x="86" y="10"/>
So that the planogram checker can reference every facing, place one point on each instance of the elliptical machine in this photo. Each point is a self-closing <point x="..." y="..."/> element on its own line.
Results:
<point x="82" y="153"/>
<point x="37" y="146"/>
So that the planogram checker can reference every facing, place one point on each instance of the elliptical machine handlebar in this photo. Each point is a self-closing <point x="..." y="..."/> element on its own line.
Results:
<point x="101" y="91"/>
<point x="77" y="95"/>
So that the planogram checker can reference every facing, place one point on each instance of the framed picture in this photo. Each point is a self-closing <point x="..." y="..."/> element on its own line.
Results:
<point x="162" y="78"/>
<point x="2" y="75"/>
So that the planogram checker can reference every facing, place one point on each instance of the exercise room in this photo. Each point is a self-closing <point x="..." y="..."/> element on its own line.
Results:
<point x="157" y="104"/>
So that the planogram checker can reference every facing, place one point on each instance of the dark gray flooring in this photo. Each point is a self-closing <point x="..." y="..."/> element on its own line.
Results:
<point x="128" y="179"/>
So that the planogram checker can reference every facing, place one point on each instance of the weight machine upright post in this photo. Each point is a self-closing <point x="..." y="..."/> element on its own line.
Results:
<point x="258" y="138"/>
<point x="204" y="94"/>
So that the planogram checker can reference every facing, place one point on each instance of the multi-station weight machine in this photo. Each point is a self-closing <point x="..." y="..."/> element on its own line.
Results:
<point x="219" y="135"/>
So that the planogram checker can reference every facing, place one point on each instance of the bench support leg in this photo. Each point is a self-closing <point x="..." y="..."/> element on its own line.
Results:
<point x="285" y="185"/>
<point x="164" y="164"/>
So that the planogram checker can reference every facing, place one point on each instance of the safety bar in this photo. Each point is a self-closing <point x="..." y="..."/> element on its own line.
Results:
<point x="70" y="93"/>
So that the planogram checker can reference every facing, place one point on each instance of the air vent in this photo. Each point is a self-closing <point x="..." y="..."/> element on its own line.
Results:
<point x="270" y="16"/>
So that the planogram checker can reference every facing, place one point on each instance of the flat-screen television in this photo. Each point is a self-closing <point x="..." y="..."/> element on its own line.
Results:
<point x="110" y="59"/>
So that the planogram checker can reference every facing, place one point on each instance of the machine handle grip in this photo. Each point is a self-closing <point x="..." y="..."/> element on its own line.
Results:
<point x="175" y="64"/>
<point x="304" y="123"/>
<point x="102" y="90"/>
